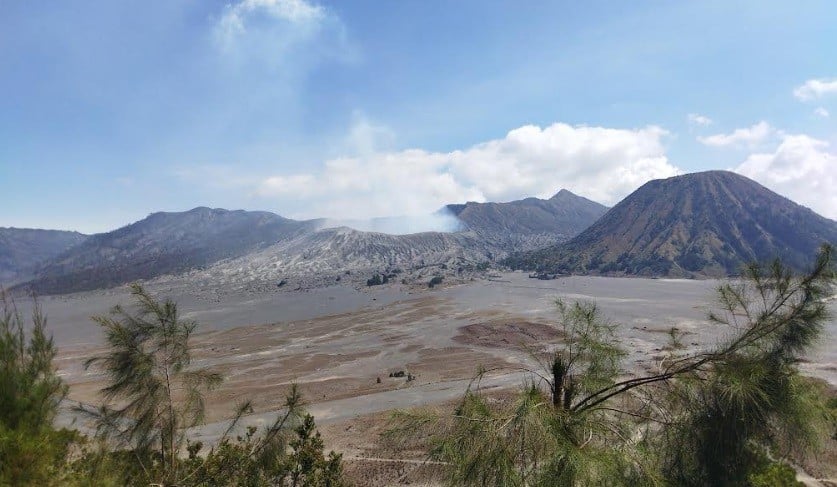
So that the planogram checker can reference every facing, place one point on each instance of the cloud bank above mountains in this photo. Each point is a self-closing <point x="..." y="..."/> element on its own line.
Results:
<point x="600" y="163"/>
<point x="742" y="137"/>
<point x="801" y="168"/>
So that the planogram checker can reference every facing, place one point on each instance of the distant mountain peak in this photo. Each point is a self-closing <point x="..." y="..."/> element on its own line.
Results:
<point x="168" y="243"/>
<point x="162" y="243"/>
<point x="708" y="223"/>
<point x="198" y="210"/>
<point x="528" y="223"/>
<point x="563" y="193"/>
<point x="565" y="196"/>
<point x="206" y="209"/>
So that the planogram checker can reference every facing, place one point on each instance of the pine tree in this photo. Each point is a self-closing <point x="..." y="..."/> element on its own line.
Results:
<point x="31" y="450"/>
<point x="152" y="396"/>
<point x="724" y="416"/>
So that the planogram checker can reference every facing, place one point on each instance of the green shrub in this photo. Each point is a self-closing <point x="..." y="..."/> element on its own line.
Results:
<point x="31" y="450"/>
<point x="776" y="474"/>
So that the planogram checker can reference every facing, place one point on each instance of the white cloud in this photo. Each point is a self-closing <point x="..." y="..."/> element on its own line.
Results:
<point x="815" y="88"/>
<point x="600" y="163"/>
<point x="236" y="16"/>
<point x="698" y="119"/>
<point x="821" y="112"/>
<point x="802" y="168"/>
<point x="278" y="35"/>
<point x="750" y="136"/>
<point x="367" y="137"/>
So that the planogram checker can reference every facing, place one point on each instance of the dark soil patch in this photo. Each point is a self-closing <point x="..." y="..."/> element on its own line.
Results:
<point x="519" y="335"/>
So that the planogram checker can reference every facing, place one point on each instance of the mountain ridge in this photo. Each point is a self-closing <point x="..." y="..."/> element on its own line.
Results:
<point x="162" y="243"/>
<point x="23" y="249"/>
<point x="170" y="243"/>
<point x="700" y="224"/>
<point x="530" y="222"/>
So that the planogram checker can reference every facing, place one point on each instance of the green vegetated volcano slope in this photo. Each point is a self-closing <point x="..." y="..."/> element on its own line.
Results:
<point x="707" y="224"/>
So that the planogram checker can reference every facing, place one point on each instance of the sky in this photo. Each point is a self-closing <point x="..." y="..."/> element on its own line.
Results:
<point x="355" y="109"/>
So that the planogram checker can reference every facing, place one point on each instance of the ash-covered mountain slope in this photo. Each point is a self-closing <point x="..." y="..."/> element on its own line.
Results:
<point x="23" y="249"/>
<point x="261" y="246"/>
<point x="529" y="223"/>
<point x="319" y="257"/>
<point x="705" y="224"/>
<point x="162" y="243"/>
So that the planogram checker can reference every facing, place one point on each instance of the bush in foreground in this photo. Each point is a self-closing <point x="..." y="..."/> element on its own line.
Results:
<point x="32" y="452"/>
<point x="153" y="397"/>
<point x="727" y="416"/>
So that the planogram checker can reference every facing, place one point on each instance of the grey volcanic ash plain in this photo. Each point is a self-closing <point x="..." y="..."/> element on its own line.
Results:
<point x="337" y="341"/>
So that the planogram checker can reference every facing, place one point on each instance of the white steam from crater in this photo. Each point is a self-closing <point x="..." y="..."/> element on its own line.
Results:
<point x="603" y="164"/>
<point x="441" y="221"/>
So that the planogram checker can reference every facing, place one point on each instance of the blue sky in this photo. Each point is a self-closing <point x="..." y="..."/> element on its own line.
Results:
<point x="353" y="109"/>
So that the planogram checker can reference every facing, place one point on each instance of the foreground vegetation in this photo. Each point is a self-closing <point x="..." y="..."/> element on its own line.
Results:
<point x="151" y="399"/>
<point x="738" y="414"/>
<point x="734" y="415"/>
